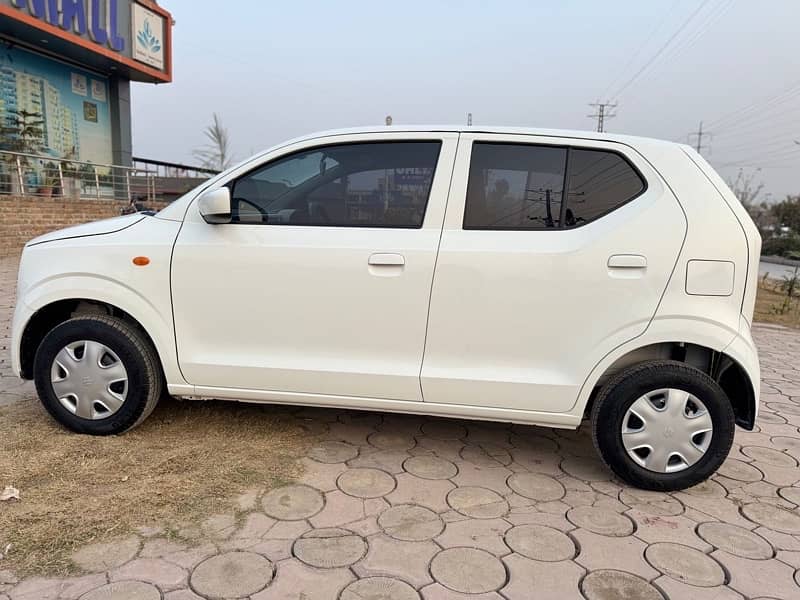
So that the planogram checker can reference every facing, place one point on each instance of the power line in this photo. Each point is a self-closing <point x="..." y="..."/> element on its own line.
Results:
<point x="714" y="15"/>
<point x="660" y="51"/>
<point x="759" y="105"/>
<point x="640" y="49"/>
<point x="602" y="114"/>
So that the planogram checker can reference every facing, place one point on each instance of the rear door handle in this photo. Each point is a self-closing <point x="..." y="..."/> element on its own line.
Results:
<point x="627" y="261"/>
<point x="386" y="259"/>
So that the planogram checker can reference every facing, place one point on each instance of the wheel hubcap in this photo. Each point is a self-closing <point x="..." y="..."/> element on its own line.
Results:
<point x="667" y="430"/>
<point x="89" y="379"/>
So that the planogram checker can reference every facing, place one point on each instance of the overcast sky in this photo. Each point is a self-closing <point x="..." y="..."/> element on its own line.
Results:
<point x="273" y="71"/>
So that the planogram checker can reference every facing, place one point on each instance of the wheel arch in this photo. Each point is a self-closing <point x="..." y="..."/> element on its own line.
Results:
<point x="58" y="300"/>
<point x="725" y="369"/>
<point x="50" y="315"/>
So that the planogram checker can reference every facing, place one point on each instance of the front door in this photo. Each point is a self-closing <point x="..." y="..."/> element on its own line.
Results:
<point x="321" y="283"/>
<point x="535" y="284"/>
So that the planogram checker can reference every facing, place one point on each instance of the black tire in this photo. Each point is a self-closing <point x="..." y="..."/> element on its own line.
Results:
<point x="630" y="384"/>
<point x="145" y="379"/>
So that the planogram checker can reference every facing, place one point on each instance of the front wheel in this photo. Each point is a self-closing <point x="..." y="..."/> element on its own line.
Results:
<point x="663" y="425"/>
<point x="97" y="374"/>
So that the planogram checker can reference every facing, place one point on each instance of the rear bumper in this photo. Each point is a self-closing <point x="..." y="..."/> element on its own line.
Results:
<point x="743" y="350"/>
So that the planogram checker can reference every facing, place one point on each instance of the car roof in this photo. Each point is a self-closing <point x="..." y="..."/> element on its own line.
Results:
<point x="630" y="140"/>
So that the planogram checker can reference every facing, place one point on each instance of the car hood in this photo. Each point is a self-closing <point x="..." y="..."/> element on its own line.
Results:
<point x="103" y="227"/>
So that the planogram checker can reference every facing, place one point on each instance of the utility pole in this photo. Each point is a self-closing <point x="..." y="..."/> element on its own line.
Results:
<point x="698" y="143"/>
<point x="604" y="111"/>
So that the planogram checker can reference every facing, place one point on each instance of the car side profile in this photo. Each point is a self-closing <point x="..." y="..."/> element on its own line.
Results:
<point x="527" y="276"/>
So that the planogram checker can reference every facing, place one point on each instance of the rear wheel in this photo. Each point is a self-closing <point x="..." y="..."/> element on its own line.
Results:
<point x="663" y="425"/>
<point x="97" y="374"/>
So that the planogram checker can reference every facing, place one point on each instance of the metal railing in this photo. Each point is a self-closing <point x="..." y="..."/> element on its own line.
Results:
<point x="46" y="176"/>
<point x="165" y="169"/>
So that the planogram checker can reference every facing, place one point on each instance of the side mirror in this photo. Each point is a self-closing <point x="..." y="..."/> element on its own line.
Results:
<point x="215" y="206"/>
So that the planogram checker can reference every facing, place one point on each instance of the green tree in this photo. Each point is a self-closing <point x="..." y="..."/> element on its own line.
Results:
<point x="787" y="213"/>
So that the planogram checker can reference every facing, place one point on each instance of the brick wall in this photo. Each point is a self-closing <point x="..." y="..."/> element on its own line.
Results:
<point x="23" y="218"/>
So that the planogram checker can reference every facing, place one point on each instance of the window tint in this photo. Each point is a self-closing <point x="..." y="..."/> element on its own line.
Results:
<point x="519" y="186"/>
<point x="384" y="184"/>
<point x="599" y="182"/>
<point x="514" y="186"/>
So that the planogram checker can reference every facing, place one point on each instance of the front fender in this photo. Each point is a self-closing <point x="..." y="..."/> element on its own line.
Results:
<point x="72" y="286"/>
<point x="100" y="268"/>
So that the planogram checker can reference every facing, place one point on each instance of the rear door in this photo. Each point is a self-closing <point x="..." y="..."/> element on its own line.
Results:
<point x="322" y="282"/>
<point x="554" y="251"/>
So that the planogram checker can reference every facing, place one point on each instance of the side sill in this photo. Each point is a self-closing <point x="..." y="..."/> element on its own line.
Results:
<point x="458" y="411"/>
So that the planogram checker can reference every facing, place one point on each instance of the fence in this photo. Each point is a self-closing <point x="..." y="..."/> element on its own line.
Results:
<point x="35" y="175"/>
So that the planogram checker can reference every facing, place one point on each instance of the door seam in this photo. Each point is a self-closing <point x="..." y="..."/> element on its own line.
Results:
<point x="435" y="266"/>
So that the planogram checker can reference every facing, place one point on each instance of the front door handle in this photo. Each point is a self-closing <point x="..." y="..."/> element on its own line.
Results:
<point x="386" y="259"/>
<point x="627" y="261"/>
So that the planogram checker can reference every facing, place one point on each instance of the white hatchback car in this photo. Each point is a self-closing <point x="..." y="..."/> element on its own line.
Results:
<point x="537" y="277"/>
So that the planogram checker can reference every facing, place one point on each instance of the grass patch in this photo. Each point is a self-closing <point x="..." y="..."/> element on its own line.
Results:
<point x="772" y="305"/>
<point x="189" y="460"/>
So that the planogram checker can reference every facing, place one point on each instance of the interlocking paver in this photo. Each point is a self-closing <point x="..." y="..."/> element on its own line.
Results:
<point x="610" y="584"/>
<point x="340" y="509"/>
<point x="485" y="534"/>
<point x="164" y="574"/>
<point x="685" y="564"/>
<point x="601" y="520"/>
<point x="735" y="540"/>
<point x="330" y="548"/>
<point x="385" y="500"/>
<point x="540" y="543"/>
<point x="545" y="579"/>
<point x="622" y="553"/>
<point x="678" y="529"/>
<point x="378" y="588"/>
<point x="232" y="575"/>
<point x="468" y="570"/>
<point x="478" y="502"/>
<point x="759" y="578"/>
<point x="409" y="561"/>
<point x="97" y="558"/>
<point x="365" y="483"/>
<point x="296" y="581"/>
<point x="292" y="502"/>
<point x="411" y="523"/>
<point x="425" y="492"/>
<point x="124" y="590"/>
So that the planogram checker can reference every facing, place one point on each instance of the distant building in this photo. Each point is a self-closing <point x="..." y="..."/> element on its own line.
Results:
<point x="71" y="63"/>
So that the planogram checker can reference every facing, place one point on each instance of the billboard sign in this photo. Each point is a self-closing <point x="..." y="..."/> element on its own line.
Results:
<point x="136" y="34"/>
<point x="67" y="106"/>
<point x="148" y="37"/>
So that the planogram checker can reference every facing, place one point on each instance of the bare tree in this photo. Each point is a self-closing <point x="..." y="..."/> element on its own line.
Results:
<point x="216" y="154"/>
<point x="745" y="187"/>
<point x="748" y="191"/>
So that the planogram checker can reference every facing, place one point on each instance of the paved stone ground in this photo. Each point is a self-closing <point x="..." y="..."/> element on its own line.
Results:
<point x="402" y="507"/>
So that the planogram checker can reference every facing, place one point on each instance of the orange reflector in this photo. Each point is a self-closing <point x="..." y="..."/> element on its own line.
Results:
<point x="141" y="261"/>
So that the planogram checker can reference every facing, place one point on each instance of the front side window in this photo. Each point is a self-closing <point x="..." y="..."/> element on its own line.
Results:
<point x="521" y="186"/>
<point x="376" y="184"/>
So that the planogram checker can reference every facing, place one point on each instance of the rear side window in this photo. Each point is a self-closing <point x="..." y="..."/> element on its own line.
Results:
<point x="515" y="187"/>
<point x="521" y="186"/>
<point x="599" y="182"/>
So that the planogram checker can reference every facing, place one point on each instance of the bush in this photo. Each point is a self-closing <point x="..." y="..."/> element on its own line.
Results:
<point x="781" y="246"/>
